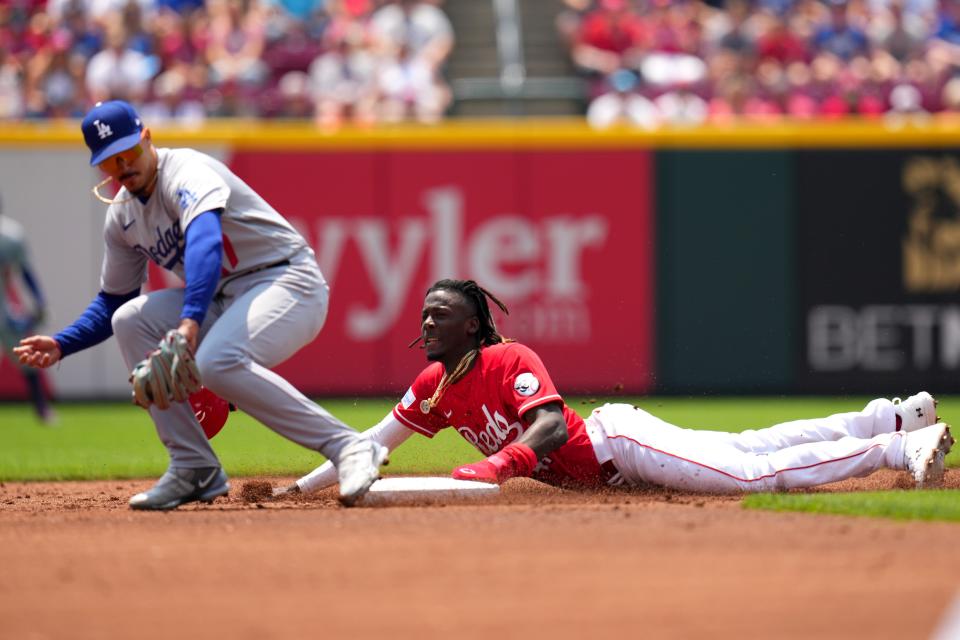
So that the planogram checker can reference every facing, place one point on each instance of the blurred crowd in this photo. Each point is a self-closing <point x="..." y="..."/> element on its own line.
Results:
<point x="646" y="62"/>
<point x="363" y="61"/>
<point x="686" y="62"/>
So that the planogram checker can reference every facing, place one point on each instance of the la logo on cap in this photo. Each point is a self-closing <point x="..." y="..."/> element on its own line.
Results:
<point x="110" y="127"/>
<point x="103" y="130"/>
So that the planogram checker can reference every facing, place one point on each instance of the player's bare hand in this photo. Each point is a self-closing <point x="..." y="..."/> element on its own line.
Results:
<point x="190" y="330"/>
<point x="38" y="351"/>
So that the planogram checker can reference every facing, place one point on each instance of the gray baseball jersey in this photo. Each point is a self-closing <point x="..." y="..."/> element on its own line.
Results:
<point x="260" y="317"/>
<point x="13" y="257"/>
<point x="191" y="183"/>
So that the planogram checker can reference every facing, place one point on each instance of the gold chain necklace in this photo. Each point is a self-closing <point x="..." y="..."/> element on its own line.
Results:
<point x="446" y="381"/>
<point x="106" y="200"/>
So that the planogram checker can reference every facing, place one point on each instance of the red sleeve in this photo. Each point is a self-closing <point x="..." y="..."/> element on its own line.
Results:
<point x="409" y="410"/>
<point x="526" y="383"/>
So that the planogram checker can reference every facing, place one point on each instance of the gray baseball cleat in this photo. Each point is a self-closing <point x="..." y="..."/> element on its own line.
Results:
<point x="358" y="468"/>
<point x="916" y="412"/>
<point x="180" y="486"/>
<point x="924" y="452"/>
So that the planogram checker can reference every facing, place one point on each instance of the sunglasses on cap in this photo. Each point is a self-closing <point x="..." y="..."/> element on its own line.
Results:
<point x="129" y="156"/>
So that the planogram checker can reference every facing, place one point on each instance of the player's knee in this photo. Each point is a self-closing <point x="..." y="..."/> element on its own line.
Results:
<point x="125" y="320"/>
<point x="216" y="365"/>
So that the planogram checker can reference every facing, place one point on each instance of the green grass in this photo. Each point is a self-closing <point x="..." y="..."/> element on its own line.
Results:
<point x="899" y="505"/>
<point x="97" y="441"/>
<point x="100" y="441"/>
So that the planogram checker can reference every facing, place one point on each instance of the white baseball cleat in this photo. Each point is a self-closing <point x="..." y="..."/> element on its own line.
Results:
<point x="924" y="452"/>
<point x="358" y="468"/>
<point x="916" y="412"/>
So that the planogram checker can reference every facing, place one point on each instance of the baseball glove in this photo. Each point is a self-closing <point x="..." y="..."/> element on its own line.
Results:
<point x="169" y="374"/>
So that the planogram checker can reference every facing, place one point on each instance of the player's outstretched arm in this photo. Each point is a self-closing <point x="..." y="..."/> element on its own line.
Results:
<point x="389" y="432"/>
<point x="38" y="351"/>
<point x="547" y="432"/>
<point x="91" y="328"/>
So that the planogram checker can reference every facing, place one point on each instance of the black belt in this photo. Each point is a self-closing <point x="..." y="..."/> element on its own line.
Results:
<point x="230" y="277"/>
<point x="282" y="263"/>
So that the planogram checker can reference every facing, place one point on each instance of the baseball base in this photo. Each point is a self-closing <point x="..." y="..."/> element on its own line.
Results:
<point x="427" y="490"/>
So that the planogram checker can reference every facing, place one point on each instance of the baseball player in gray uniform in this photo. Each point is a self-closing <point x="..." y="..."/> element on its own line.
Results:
<point x="253" y="296"/>
<point x="17" y="317"/>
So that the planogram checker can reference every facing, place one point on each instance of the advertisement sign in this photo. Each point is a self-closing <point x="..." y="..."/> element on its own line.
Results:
<point x="563" y="238"/>
<point x="880" y="270"/>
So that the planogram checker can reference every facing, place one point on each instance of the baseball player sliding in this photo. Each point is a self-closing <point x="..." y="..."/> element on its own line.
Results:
<point x="498" y="395"/>
<point x="253" y="296"/>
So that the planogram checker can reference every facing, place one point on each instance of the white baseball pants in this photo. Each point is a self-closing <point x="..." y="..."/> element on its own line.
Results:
<point x="802" y="453"/>
<point x="256" y="322"/>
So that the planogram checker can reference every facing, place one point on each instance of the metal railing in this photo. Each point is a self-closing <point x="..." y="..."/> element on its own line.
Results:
<point x="513" y="86"/>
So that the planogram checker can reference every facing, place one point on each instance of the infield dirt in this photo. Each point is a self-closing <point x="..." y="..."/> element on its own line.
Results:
<point x="75" y="562"/>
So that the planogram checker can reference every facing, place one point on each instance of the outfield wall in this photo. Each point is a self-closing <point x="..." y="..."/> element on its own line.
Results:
<point x="759" y="259"/>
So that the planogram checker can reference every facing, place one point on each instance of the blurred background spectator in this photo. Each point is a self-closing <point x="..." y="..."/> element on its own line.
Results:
<point x="343" y="78"/>
<point x="411" y="39"/>
<point x="622" y="104"/>
<point x="118" y="71"/>
<point x="172" y="101"/>
<point x="643" y="62"/>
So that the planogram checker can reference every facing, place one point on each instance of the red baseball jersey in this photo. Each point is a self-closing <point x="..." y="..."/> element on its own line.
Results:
<point x="485" y="406"/>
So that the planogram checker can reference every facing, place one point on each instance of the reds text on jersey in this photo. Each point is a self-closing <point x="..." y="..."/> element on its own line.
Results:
<point x="485" y="406"/>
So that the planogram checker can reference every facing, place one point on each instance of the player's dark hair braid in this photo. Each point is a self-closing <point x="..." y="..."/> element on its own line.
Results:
<point x="486" y="336"/>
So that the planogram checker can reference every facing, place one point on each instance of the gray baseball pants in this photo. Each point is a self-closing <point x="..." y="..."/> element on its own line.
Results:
<point x="254" y="323"/>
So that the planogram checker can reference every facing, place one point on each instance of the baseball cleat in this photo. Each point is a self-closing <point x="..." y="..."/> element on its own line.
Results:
<point x="180" y="486"/>
<point x="359" y="468"/>
<point x="49" y="417"/>
<point x="925" y="450"/>
<point x="916" y="412"/>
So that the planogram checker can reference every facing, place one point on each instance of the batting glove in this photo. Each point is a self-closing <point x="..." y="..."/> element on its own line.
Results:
<point x="514" y="460"/>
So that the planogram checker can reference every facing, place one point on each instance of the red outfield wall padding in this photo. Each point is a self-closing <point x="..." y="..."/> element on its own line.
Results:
<point x="564" y="238"/>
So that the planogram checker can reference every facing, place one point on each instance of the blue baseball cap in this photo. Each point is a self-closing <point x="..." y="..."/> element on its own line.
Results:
<point x="109" y="128"/>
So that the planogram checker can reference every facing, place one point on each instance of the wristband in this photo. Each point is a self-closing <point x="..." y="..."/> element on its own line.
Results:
<point x="514" y="460"/>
